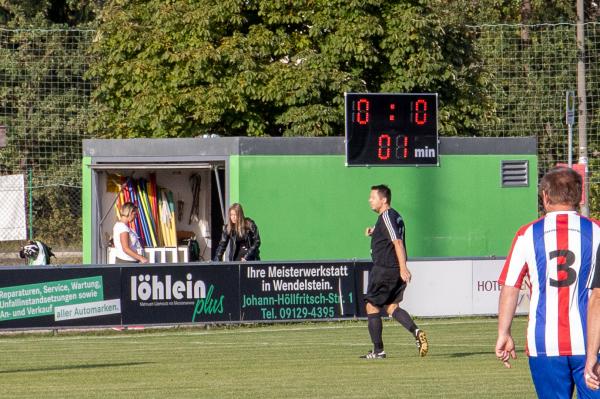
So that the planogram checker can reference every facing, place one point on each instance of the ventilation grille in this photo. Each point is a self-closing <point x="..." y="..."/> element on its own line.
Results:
<point x="515" y="173"/>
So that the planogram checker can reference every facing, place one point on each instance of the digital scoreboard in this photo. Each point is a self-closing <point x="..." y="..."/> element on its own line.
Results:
<point x="391" y="129"/>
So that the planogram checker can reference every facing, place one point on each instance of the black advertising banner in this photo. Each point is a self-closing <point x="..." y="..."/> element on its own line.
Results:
<point x="361" y="272"/>
<point x="297" y="291"/>
<point x="180" y="294"/>
<point x="78" y="296"/>
<point x="59" y="297"/>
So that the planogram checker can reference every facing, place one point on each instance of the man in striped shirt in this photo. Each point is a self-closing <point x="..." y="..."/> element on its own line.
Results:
<point x="557" y="252"/>
<point x="389" y="275"/>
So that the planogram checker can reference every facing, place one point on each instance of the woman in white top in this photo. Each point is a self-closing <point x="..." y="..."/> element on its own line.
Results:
<point x="127" y="243"/>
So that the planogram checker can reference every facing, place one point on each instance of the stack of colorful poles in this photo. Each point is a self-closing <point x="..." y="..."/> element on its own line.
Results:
<point x="155" y="221"/>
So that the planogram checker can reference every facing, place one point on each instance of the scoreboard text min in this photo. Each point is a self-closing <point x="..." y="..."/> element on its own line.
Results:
<point x="391" y="129"/>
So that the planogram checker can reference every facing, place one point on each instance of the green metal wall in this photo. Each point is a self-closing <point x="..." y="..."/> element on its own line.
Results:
<point x="313" y="207"/>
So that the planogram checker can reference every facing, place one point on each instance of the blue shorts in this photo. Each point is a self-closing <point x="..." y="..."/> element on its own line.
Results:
<point x="555" y="377"/>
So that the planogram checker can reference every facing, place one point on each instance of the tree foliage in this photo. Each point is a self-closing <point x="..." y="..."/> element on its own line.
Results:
<point x="45" y="13"/>
<point x="276" y="67"/>
<point x="528" y="12"/>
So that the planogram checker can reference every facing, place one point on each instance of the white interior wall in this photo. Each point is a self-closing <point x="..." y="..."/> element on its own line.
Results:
<point x="176" y="180"/>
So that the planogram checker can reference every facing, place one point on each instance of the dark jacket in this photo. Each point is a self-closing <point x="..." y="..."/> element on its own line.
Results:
<point x="249" y="244"/>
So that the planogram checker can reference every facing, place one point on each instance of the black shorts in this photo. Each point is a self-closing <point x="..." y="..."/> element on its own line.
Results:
<point x="385" y="286"/>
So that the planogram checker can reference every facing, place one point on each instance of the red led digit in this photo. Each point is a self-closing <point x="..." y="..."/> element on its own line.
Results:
<point x="402" y="146"/>
<point x="421" y="112"/>
<point x="384" y="143"/>
<point x="362" y="116"/>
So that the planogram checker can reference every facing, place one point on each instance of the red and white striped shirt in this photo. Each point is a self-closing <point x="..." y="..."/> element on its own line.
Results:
<point x="557" y="252"/>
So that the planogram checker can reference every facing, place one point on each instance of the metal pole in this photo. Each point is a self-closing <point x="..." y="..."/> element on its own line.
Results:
<point x="221" y="199"/>
<point x="570" y="119"/>
<point x="570" y="146"/>
<point x="581" y="94"/>
<point x="30" y="184"/>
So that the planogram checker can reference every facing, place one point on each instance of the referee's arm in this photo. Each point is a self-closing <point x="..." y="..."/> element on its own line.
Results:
<point x="401" y="255"/>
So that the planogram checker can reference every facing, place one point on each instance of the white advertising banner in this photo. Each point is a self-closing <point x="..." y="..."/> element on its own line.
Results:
<point x="13" y="224"/>
<point x="457" y="288"/>
<point x="439" y="288"/>
<point x="486" y="289"/>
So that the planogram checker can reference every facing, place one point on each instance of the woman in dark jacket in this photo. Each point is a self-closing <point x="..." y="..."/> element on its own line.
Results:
<point x="243" y="234"/>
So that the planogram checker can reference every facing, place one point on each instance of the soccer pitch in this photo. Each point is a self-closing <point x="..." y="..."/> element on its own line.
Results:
<point x="308" y="360"/>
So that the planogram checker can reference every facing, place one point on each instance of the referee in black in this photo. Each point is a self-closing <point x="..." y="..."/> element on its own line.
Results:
<point x="390" y="275"/>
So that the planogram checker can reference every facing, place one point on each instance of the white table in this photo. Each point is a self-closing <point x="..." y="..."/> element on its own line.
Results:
<point x="158" y="255"/>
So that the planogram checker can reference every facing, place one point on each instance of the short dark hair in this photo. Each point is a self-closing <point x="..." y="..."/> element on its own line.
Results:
<point x="384" y="192"/>
<point x="562" y="186"/>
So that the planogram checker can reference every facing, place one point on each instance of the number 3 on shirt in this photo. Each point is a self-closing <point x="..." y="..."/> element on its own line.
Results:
<point x="569" y="260"/>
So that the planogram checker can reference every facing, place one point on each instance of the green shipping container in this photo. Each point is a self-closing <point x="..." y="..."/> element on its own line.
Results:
<point x="309" y="206"/>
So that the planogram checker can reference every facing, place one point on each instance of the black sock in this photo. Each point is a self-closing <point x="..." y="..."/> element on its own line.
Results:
<point x="375" y="331"/>
<point x="404" y="318"/>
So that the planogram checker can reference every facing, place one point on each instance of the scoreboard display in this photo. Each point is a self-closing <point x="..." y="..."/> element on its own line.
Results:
<point x="391" y="129"/>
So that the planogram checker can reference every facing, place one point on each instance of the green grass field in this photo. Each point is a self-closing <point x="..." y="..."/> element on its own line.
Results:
<point x="312" y="360"/>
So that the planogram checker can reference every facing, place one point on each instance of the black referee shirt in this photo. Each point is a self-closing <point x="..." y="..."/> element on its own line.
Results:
<point x="389" y="227"/>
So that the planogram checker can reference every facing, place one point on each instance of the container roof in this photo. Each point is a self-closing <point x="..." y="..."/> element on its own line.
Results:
<point x="227" y="146"/>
